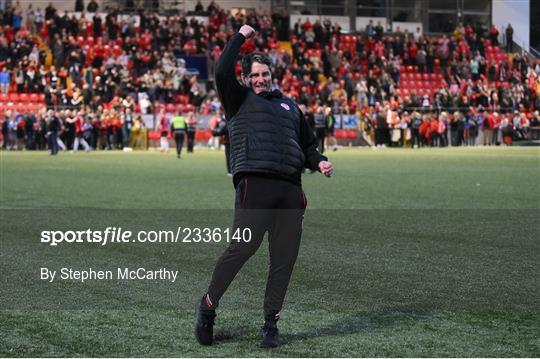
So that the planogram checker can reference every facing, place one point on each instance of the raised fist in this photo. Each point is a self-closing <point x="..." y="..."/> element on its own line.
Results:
<point x="247" y="31"/>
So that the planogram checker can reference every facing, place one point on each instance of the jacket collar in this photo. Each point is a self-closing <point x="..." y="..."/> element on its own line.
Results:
<point x="270" y="94"/>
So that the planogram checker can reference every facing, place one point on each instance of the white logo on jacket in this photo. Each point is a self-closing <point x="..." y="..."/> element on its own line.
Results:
<point x="285" y="106"/>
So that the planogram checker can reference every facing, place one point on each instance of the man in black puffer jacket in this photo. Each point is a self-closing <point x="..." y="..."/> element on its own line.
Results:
<point x="271" y="144"/>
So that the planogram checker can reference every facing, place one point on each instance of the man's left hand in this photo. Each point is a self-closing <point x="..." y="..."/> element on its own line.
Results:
<point x="326" y="168"/>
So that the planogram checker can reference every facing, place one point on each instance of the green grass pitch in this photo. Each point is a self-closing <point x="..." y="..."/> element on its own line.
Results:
<point x="424" y="253"/>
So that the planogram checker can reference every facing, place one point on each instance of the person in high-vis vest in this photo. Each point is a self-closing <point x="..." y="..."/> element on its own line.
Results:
<point x="178" y="129"/>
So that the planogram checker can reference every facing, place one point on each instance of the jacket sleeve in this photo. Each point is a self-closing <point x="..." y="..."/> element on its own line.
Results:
<point x="308" y="142"/>
<point x="230" y="92"/>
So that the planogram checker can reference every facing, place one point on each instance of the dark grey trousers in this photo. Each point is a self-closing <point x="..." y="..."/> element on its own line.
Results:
<point x="263" y="205"/>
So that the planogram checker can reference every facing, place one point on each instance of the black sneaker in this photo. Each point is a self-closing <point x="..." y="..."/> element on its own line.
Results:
<point x="269" y="335"/>
<point x="204" y="325"/>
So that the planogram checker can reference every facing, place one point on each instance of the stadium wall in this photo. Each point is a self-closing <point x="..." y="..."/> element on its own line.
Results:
<point x="189" y="5"/>
<point x="409" y="26"/>
<point x="343" y="21"/>
<point x="517" y="13"/>
<point x="231" y="4"/>
<point x="61" y="6"/>
<point x="361" y="22"/>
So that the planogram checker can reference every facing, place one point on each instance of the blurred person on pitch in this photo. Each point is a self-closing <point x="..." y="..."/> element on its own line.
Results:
<point x="214" y="141"/>
<point x="79" y="122"/>
<point x="330" y="122"/>
<point x="319" y="119"/>
<point x="222" y="132"/>
<point x="164" y="131"/>
<point x="191" y="127"/>
<point x="54" y="126"/>
<point x="271" y="143"/>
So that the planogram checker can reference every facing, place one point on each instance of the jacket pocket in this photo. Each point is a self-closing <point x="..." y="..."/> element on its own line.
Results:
<point x="241" y="193"/>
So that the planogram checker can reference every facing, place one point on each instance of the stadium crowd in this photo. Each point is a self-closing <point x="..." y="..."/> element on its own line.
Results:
<point x="98" y="76"/>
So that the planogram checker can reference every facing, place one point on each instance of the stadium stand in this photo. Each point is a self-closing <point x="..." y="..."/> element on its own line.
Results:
<point x="114" y="68"/>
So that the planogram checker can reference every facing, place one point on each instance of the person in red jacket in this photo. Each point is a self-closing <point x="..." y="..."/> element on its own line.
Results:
<point x="78" y="122"/>
<point x="423" y="130"/>
<point x="494" y="36"/>
<point x="107" y="130"/>
<point x="118" y="123"/>
<point x="494" y="124"/>
<point x="164" y="124"/>
<point x="487" y="129"/>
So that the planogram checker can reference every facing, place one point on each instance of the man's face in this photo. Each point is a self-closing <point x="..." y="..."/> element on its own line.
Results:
<point x="260" y="78"/>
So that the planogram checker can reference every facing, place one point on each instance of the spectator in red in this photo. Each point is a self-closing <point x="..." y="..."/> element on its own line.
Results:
<point x="79" y="130"/>
<point x="164" y="124"/>
<point x="494" y="35"/>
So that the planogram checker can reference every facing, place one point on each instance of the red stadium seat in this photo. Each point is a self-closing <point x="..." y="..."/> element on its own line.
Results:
<point x="33" y="107"/>
<point x="34" y="97"/>
<point x="14" y="97"/>
<point x="24" y="97"/>
<point x="184" y="99"/>
<point x="154" y="135"/>
<point x="4" y="97"/>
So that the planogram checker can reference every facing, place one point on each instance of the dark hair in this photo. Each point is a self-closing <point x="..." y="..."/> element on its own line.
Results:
<point x="249" y="59"/>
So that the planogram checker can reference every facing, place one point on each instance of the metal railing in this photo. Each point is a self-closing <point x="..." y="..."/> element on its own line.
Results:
<point x="529" y="51"/>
